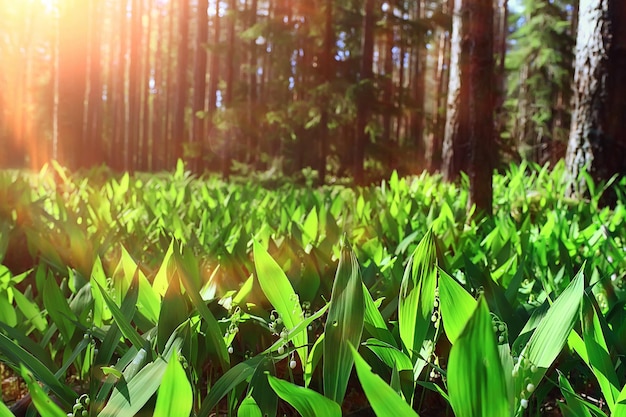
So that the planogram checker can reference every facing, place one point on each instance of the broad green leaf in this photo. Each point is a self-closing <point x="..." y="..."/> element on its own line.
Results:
<point x="100" y="312"/>
<point x="456" y="305"/>
<point x="4" y="411"/>
<point x="43" y="403"/>
<point x="417" y="295"/>
<point x="174" y="396"/>
<point x="189" y="275"/>
<point x="227" y="382"/>
<point x="620" y="404"/>
<point x="31" y="311"/>
<point x="344" y="325"/>
<point x="476" y="381"/>
<point x="374" y="323"/>
<point x="249" y="408"/>
<point x="18" y="355"/>
<point x="161" y="281"/>
<point x="390" y="355"/>
<point x="577" y="407"/>
<point x="384" y="400"/>
<point x="128" y="399"/>
<point x="280" y="294"/>
<point x="549" y="337"/>
<point x="598" y="353"/>
<point x="314" y="358"/>
<point x="310" y="228"/>
<point x="173" y="312"/>
<point x="58" y="308"/>
<point x="306" y="401"/>
<point x="121" y="320"/>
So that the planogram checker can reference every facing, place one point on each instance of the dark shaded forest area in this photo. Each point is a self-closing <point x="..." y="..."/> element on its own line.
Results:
<point x="343" y="87"/>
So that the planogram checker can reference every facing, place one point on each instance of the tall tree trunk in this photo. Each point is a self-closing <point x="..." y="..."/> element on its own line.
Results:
<point x="178" y="129"/>
<point x="388" y="92"/>
<point x="455" y="141"/>
<point x="418" y="90"/>
<point x="328" y="61"/>
<point x="230" y="142"/>
<point x="93" y="125"/>
<point x="120" y="131"/>
<point x="481" y="106"/>
<point x="441" y="83"/>
<point x="148" y="80"/>
<point x="72" y="80"/>
<point x="199" y="90"/>
<point x="597" y="141"/>
<point x="134" y="84"/>
<point x="253" y="135"/>
<point x="365" y="95"/>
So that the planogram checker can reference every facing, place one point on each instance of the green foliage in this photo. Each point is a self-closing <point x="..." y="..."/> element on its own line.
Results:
<point x="202" y="295"/>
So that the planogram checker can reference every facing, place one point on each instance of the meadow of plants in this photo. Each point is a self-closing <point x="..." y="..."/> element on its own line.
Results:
<point x="171" y="295"/>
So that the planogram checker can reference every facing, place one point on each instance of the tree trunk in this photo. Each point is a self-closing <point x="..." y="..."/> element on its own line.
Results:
<point x="455" y="141"/>
<point x="93" y="131"/>
<point x="365" y="93"/>
<point x="72" y="80"/>
<point x="134" y="85"/>
<point x="597" y="141"/>
<point x="178" y="129"/>
<point x="481" y="106"/>
<point x="328" y="68"/>
<point x="199" y="90"/>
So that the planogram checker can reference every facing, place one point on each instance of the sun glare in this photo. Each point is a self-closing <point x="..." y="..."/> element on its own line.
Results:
<point x="49" y="5"/>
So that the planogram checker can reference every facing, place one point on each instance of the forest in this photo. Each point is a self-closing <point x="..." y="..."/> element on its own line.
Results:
<point x="312" y="207"/>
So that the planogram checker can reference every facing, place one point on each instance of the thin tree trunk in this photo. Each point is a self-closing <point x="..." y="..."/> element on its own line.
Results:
<point x="199" y="91"/>
<point x="178" y="129"/>
<point x="134" y="85"/>
<point x="328" y="68"/>
<point x="481" y="106"/>
<point x="455" y="142"/>
<point x="365" y="95"/>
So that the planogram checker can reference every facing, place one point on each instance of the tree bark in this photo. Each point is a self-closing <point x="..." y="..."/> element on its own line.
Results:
<point x="199" y="90"/>
<point x="597" y="141"/>
<point x="365" y="93"/>
<point x="455" y="141"/>
<point x="481" y="106"/>
<point x="72" y="81"/>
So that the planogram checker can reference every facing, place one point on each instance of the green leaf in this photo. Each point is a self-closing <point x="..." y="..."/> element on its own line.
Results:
<point x="43" y="403"/>
<point x="374" y="323"/>
<point x="249" y="408"/>
<point x="30" y="310"/>
<point x="18" y="355"/>
<point x="4" y="411"/>
<point x="598" y="352"/>
<point x="189" y="275"/>
<point x="417" y="295"/>
<point x="476" y="381"/>
<point x="456" y="305"/>
<point x="58" y="308"/>
<point x="548" y="339"/>
<point x="344" y="325"/>
<point x="280" y="294"/>
<point x="233" y="377"/>
<point x="174" y="396"/>
<point x="384" y="400"/>
<point x="121" y="320"/>
<point x="577" y="405"/>
<point x="306" y="401"/>
<point x="127" y="400"/>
